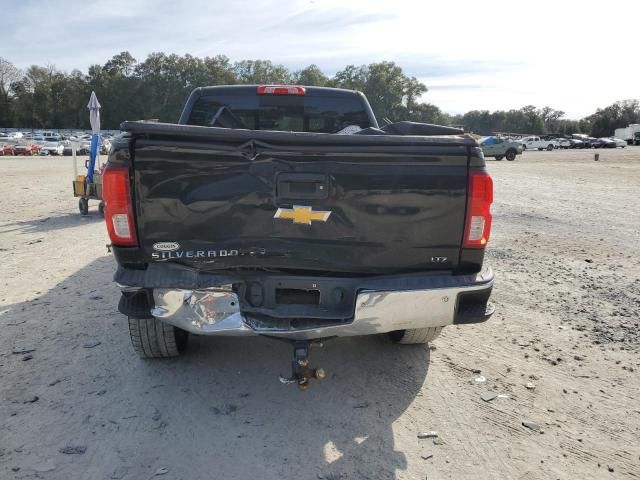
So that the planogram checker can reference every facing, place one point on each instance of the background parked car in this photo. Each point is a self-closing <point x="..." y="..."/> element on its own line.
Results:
<point x="42" y="139"/>
<point x="619" y="142"/>
<point x="603" y="143"/>
<point x="7" y="149"/>
<point x="84" y="148"/>
<point x="67" y="150"/>
<point x="52" y="148"/>
<point x="27" y="148"/>
<point x="537" y="143"/>
<point x="51" y="135"/>
<point x="589" y="142"/>
<point x="564" y="143"/>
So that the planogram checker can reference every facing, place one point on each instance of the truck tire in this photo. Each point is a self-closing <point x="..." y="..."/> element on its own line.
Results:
<point x="499" y="157"/>
<point x="152" y="338"/>
<point x="415" y="335"/>
<point x="511" y="155"/>
<point x="550" y="147"/>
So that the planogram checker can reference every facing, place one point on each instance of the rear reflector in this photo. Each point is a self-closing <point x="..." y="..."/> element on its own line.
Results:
<point x="118" y="207"/>
<point x="476" y="230"/>
<point x="121" y="225"/>
<point x="478" y="221"/>
<point x="281" y="90"/>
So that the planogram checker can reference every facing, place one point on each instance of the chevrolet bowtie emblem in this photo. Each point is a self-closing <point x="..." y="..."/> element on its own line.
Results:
<point x="302" y="215"/>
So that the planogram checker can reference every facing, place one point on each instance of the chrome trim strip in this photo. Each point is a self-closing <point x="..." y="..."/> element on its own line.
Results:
<point x="127" y="288"/>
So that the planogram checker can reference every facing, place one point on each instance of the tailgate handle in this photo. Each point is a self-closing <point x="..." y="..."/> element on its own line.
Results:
<point x="300" y="186"/>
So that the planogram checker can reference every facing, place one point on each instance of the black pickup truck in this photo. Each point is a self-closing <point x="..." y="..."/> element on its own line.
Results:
<point x="286" y="211"/>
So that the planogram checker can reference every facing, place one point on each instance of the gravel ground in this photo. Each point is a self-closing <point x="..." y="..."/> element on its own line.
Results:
<point x="561" y="354"/>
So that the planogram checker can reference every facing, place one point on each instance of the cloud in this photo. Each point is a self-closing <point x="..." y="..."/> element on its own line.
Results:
<point x="310" y="21"/>
<point x="454" y="86"/>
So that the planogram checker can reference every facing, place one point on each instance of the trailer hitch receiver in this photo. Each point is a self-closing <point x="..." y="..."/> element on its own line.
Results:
<point x="301" y="372"/>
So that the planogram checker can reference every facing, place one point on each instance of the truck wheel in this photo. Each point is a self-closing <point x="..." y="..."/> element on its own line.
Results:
<point x="499" y="157"/>
<point x="101" y="208"/>
<point x="83" y="206"/>
<point x="549" y="147"/>
<point x="415" y="335"/>
<point x="511" y="155"/>
<point x="152" y="338"/>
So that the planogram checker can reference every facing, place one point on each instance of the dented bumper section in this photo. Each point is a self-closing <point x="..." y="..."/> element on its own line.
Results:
<point x="378" y="305"/>
<point x="211" y="311"/>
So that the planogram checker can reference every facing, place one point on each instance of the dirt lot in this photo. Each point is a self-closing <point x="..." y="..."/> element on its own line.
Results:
<point x="566" y="251"/>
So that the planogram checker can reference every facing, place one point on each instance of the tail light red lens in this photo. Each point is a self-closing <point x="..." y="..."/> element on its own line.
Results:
<point x="118" y="206"/>
<point x="281" y="90"/>
<point x="478" y="222"/>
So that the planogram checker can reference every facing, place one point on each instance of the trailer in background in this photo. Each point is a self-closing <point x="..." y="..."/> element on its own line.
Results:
<point x="621" y="133"/>
<point x="630" y="134"/>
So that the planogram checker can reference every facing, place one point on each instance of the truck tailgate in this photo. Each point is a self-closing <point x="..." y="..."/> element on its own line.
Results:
<point x="219" y="200"/>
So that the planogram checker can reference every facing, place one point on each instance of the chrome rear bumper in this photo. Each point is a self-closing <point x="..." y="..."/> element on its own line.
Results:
<point x="217" y="311"/>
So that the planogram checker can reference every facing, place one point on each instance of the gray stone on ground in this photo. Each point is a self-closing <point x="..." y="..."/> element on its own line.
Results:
<point x="488" y="396"/>
<point x="73" y="450"/>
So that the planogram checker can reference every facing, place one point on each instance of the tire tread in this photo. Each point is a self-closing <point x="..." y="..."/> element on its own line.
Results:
<point x="152" y="338"/>
<point x="419" y="335"/>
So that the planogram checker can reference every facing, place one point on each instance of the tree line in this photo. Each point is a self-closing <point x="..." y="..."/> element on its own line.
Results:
<point x="157" y="87"/>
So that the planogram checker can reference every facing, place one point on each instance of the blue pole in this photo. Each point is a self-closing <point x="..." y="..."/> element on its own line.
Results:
<point x="93" y="153"/>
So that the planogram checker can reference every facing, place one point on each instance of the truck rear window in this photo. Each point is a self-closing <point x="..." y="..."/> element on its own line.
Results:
<point x="317" y="114"/>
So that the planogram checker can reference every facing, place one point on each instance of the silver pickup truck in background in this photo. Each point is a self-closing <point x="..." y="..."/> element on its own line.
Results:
<point x="500" y="147"/>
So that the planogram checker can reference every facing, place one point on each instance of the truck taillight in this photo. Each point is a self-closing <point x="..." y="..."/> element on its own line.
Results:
<point x="118" y="207"/>
<point x="281" y="90"/>
<point x="478" y="223"/>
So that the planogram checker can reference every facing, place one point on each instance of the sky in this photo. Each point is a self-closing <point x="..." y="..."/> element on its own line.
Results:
<point x="574" y="56"/>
